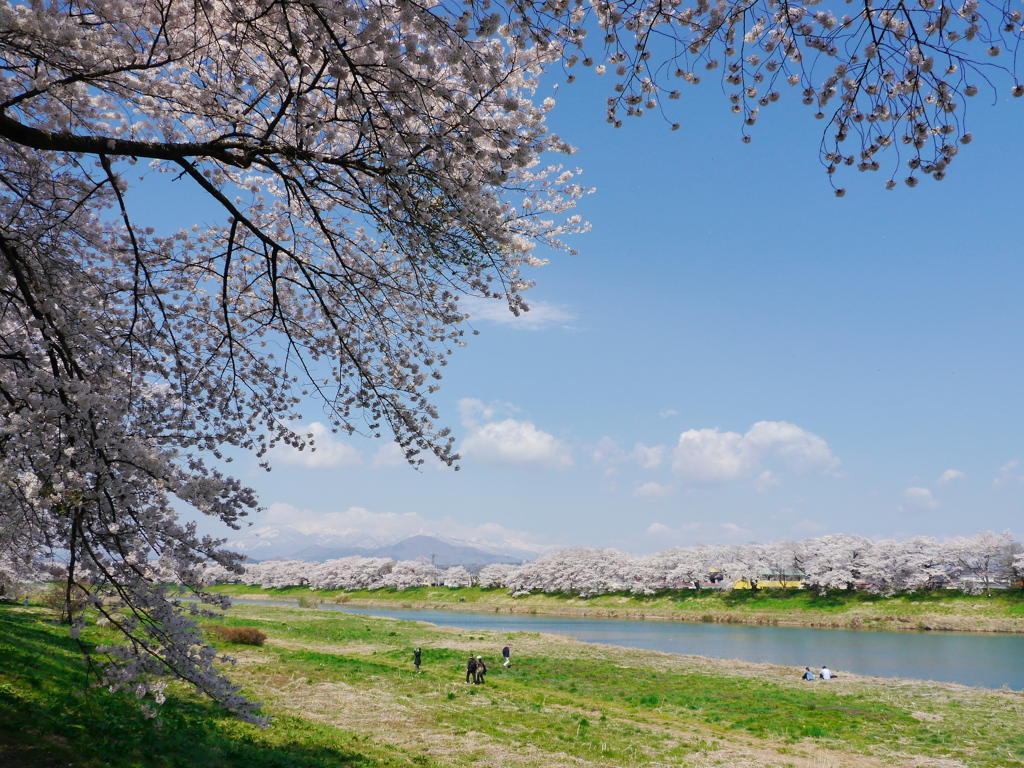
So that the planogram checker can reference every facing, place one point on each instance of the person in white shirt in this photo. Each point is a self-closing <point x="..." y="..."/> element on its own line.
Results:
<point x="826" y="673"/>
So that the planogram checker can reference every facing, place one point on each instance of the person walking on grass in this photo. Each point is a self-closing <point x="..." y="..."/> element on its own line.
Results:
<point x="416" y="658"/>
<point x="481" y="670"/>
<point x="471" y="669"/>
<point x="507" y="653"/>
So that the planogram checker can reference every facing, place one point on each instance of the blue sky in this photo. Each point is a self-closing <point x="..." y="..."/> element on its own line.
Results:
<point x="734" y="355"/>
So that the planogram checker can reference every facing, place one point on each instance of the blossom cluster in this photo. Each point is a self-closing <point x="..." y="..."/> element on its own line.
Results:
<point x="348" y="573"/>
<point x="881" y="74"/>
<point x="837" y="561"/>
<point x="366" y="165"/>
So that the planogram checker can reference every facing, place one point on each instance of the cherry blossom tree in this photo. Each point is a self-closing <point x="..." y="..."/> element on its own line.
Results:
<point x="882" y="75"/>
<point x="1015" y="567"/>
<point x="693" y="565"/>
<point x="896" y="566"/>
<point x="747" y="562"/>
<point x="782" y="559"/>
<point x="495" y="575"/>
<point x="16" y="573"/>
<point x="577" y="570"/>
<point x="411" y="573"/>
<point x="277" y="574"/>
<point x="978" y="559"/>
<point x="834" y="562"/>
<point x="351" y="573"/>
<point x="456" y="577"/>
<point x="365" y="165"/>
<point x="651" y="572"/>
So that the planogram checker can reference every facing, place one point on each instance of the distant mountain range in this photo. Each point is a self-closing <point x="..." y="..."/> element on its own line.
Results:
<point x="273" y="543"/>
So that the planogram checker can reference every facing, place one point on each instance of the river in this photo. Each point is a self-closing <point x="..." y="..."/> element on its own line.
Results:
<point x="968" y="658"/>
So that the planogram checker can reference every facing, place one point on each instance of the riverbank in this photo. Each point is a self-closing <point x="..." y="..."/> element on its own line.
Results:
<point x="950" y="611"/>
<point x="341" y="690"/>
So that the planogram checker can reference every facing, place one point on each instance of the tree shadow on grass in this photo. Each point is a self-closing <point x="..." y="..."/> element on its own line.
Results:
<point x="51" y="719"/>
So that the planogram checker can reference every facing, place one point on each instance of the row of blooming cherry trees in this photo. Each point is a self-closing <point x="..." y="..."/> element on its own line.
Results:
<point x="840" y="561"/>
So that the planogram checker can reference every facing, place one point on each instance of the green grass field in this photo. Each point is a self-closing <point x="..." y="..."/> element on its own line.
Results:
<point x="342" y="692"/>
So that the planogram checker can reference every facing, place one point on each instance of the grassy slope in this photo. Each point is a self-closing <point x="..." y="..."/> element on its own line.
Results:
<point x="1003" y="612"/>
<point x="342" y="692"/>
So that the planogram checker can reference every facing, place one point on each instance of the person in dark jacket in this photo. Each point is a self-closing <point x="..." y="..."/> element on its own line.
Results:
<point x="416" y="657"/>
<point x="507" y="653"/>
<point x="471" y="669"/>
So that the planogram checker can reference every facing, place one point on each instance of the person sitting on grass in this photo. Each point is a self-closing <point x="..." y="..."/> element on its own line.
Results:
<point x="826" y="673"/>
<point x="808" y="675"/>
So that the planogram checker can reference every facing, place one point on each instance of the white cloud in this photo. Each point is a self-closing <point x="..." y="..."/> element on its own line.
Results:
<point x="661" y="536"/>
<point x="605" y="453"/>
<point x="648" y="457"/>
<point x="325" y="453"/>
<point x="766" y="481"/>
<point x="374" y="524"/>
<point x="803" y="450"/>
<point x="916" y="499"/>
<point x="1008" y="476"/>
<point x="389" y="455"/>
<point x="668" y="413"/>
<point x="515" y="443"/>
<point x="472" y="410"/>
<point x="541" y="314"/>
<point x="511" y="442"/>
<point x="652" y="491"/>
<point x="387" y="526"/>
<point x="949" y="476"/>
<point x="711" y="457"/>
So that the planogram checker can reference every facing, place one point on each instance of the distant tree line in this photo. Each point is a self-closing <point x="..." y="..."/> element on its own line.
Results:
<point x="972" y="564"/>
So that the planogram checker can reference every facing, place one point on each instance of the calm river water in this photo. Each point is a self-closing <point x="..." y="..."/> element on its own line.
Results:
<point x="990" y="661"/>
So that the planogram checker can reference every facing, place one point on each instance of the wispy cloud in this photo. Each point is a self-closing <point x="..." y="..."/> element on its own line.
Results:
<point x="1008" y="477"/>
<point x="390" y="525"/>
<point x="648" y="457"/>
<point x="916" y="499"/>
<point x="949" y="476"/>
<point x="541" y="315"/>
<point x="652" y="491"/>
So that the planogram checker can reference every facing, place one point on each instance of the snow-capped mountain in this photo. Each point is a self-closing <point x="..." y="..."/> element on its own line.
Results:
<point x="273" y="542"/>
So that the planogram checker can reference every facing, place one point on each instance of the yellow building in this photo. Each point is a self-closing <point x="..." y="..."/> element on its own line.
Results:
<point x="773" y="581"/>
